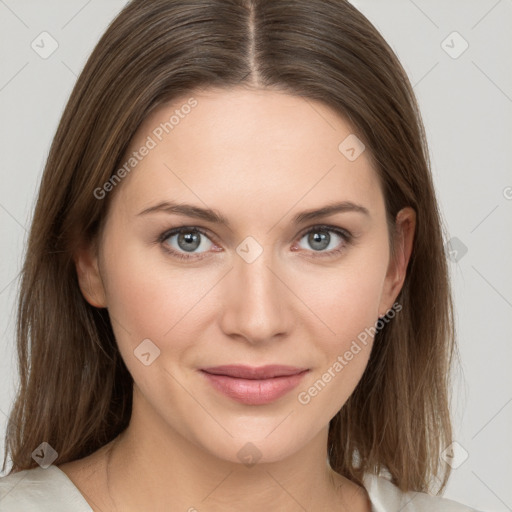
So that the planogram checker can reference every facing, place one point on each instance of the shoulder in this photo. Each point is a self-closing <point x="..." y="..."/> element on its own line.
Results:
<point x="385" y="496"/>
<point x="40" y="490"/>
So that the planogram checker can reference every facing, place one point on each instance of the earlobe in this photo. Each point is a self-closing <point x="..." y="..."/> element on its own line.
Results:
<point x="89" y="277"/>
<point x="397" y="270"/>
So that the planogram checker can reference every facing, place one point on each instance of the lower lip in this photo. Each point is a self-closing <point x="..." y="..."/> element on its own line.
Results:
<point x="254" y="392"/>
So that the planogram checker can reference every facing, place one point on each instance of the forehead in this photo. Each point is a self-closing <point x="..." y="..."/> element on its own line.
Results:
<point x="253" y="148"/>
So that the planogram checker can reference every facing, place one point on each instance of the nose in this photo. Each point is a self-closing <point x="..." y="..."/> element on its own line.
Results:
<point x="257" y="303"/>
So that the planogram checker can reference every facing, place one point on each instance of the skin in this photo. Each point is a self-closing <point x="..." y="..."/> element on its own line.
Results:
<point x="258" y="157"/>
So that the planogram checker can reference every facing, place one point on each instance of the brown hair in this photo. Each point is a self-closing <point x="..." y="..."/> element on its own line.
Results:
<point x="75" y="391"/>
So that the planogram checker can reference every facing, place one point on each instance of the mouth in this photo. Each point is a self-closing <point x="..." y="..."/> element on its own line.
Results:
<point x="254" y="385"/>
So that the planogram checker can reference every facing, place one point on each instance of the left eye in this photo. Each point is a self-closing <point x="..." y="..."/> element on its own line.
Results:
<point x="320" y="240"/>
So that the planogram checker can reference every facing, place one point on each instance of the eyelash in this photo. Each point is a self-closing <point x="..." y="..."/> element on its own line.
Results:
<point x="346" y="236"/>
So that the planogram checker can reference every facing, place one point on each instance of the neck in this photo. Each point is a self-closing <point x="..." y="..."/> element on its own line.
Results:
<point x="153" y="467"/>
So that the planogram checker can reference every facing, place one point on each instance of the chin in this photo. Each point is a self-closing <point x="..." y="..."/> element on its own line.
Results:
<point x="265" y="448"/>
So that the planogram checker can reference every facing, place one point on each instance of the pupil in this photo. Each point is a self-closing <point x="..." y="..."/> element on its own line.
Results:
<point x="319" y="240"/>
<point x="189" y="238"/>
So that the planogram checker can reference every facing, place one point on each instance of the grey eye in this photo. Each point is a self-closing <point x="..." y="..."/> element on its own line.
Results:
<point x="322" y="239"/>
<point x="188" y="240"/>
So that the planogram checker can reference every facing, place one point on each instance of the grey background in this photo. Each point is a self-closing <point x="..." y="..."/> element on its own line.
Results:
<point x="466" y="103"/>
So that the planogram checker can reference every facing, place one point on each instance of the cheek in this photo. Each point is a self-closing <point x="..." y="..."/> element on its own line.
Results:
<point x="350" y="310"/>
<point x="148" y="299"/>
<point x="348" y="304"/>
<point x="346" y="297"/>
<point x="327" y="390"/>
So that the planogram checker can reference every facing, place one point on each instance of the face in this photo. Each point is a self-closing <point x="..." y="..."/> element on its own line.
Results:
<point x="268" y="286"/>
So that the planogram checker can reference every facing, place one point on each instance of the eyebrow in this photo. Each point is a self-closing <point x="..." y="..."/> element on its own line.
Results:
<point x="215" y="217"/>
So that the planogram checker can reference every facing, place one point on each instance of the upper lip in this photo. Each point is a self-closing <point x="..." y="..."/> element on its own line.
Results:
<point x="254" y="372"/>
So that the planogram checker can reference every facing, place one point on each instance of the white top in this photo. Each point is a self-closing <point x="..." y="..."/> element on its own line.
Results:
<point x="50" y="490"/>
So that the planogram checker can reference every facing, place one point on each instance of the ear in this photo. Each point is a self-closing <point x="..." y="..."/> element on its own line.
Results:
<point x="405" y="223"/>
<point x="89" y="277"/>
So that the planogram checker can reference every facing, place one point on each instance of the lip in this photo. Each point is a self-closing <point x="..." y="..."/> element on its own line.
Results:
<point x="254" y="385"/>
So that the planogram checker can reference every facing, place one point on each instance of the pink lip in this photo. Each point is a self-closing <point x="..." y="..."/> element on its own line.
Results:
<point x="254" y="386"/>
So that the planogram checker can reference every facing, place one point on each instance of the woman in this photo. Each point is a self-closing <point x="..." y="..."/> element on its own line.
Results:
<point x="235" y="295"/>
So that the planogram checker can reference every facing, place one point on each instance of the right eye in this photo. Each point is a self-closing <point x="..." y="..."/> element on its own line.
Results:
<point x="183" y="241"/>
